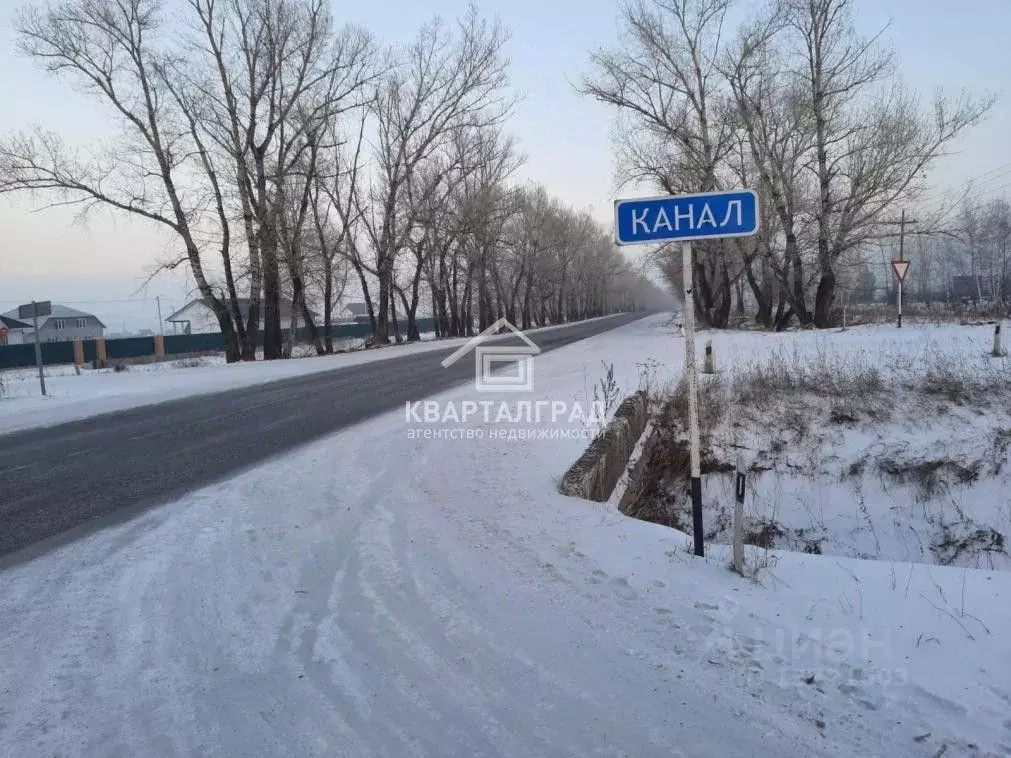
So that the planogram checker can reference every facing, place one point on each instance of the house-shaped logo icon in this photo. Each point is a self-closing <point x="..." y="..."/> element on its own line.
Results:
<point x="486" y="356"/>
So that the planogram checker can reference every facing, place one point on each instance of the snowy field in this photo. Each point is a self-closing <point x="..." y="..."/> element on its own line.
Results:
<point x="378" y="594"/>
<point x="71" y="397"/>
<point x="869" y="443"/>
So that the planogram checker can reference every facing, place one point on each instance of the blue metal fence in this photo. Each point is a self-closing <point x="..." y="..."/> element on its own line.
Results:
<point x="129" y="347"/>
<point x="13" y="356"/>
<point x="54" y="353"/>
<point x="194" y="343"/>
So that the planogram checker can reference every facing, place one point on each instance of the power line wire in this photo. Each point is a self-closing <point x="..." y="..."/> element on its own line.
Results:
<point x="151" y="300"/>
<point x="995" y="174"/>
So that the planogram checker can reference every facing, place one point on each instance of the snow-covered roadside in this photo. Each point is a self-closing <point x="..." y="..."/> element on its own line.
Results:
<point x="379" y="595"/>
<point x="870" y="443"/>
<point x="71" y="397"/>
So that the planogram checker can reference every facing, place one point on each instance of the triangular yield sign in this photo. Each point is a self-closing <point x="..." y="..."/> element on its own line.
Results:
<point x="901" y="268"/>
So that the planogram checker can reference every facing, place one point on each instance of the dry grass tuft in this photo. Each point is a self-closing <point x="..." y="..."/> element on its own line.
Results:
<point x="784" y="374"/>
<point x="860" y="386"/>
<point x="936" y="313"/>
<point x="788" y="407"/>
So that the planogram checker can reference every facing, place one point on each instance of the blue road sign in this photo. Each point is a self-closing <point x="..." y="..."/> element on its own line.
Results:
<point x="710" y="215"/>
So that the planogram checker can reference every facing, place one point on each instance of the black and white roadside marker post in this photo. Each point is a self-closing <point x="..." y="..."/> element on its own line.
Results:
<point x="683" y="218"/>
<point x="739" y="492"/>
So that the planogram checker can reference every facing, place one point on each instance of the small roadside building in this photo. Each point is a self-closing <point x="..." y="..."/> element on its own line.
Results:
<point x="12" y="331"/>
<point x="57" y="323"/>
<point x="197" y="317"/>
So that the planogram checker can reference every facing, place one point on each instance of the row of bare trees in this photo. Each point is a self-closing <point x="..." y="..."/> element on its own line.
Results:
<point x="969" y="258"/>
<point x="797" y="104"/>
<point x="292" y="159"/>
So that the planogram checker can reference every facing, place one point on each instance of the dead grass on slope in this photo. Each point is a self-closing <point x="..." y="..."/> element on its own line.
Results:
<point x="791" y="400"/>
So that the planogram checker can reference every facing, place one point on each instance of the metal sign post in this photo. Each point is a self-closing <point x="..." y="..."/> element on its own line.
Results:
<point x="692" y="373"/>
<point x="712" y="215"/>
<point x="900" y="268"/>
<point x="900" y="304"/>
<point x="38" y="347"/>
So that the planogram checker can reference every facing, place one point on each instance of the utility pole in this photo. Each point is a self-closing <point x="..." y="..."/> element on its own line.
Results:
<point x="161" y="324"/>
<point x="38" y="347"/>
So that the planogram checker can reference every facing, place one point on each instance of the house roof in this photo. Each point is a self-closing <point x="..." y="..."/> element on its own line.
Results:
<point x="357" y="309"/>
<point x="285" y="308"/>
<point x="13" y="323"/>
<point x="58" y="311"/>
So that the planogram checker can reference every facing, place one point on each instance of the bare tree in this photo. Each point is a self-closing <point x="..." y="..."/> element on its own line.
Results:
<point x="218" y="121"/>
<point x="278" y="73"/>
<point x="779" y="132"/>
<point x="445" y="81"/>
<point x="112" y="51"/>
<point x="872" y="140"/>
<point x="664" y="77"/>
<point x="998" y="221"/>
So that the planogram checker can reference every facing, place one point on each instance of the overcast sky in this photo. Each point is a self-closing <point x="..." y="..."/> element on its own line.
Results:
<point x="45" y="255"/>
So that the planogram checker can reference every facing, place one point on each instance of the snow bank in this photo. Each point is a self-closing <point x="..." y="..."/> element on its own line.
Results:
<point x="375" y="594"/>
<point x="868" y="443"/>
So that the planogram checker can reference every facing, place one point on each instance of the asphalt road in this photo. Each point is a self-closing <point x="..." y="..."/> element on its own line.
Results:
<point x="58" y="483"/>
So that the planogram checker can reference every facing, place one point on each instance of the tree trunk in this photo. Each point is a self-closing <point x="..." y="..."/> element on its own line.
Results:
<point x="455" y="303"/>
<point x="328" y="303"/>
<point x="410" y="310"/>
<point x="300" y="307"/>
<point x="721" y="315"/>
<point x="783" y="316"/>
<point x="412" y="313"/>
<point x="467" y="313"/>
<point x="528" y="291"/>
<point x="466" y="305"/>
<point x="289" y="342"/>
<point x="702" y="295"/>
<point x="393" y="316"/>
<point x="366" y="295"/>
<point x="824" y="299"/>
<point x="436" y="319"/>
<point x="310" y="324"/>
<point x="255" y="291"/>
<point x="272" y="338"/>
<point x="797" y="300"/>
<point x="381" y="330"/>
<point x="233" y="350"/>
<point x="484" y="314"/>
<point x="764" y="314"/>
